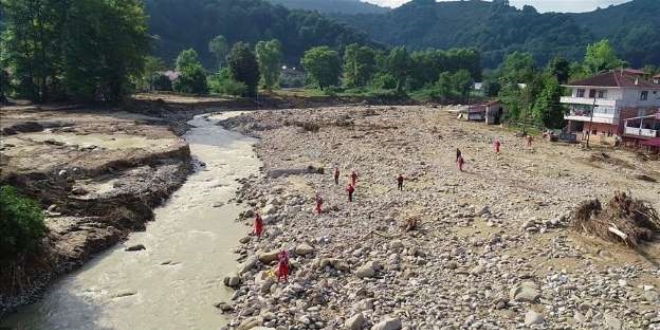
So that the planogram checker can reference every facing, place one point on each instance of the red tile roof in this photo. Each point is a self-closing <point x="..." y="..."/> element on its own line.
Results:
<point x="634" y="71"/>
<point x="615" y="79"/>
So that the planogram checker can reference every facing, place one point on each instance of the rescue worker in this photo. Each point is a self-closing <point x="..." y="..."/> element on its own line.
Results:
<point x="399" y="181"/>
<point x="458" y="153"/>
<point x="319" y="203"/>
<point x="258" y="225"/>
<point x="336" y="175"/>
<point x="353" y="178"/>
<point x="529" y="141"/>
<point x="350" y="189"/>
<point x="283" y="266"/>
<point x="497" y="146"/>
<point x="460" y="163"/>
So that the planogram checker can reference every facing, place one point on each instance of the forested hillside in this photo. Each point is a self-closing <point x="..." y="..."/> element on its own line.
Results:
<point x="333" y="6"/>
<point x="180" y="24"/>
<point x="497" y="29"/>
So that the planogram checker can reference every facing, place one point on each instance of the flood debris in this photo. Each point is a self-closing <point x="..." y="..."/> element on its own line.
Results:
<point x="624" y="220"/>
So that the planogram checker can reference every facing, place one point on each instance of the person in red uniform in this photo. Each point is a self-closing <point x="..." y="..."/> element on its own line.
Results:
<point x="460" y="163"/>
<point x="258" y="225"/>
<point x="497" y="146"/>
<point x="319" y="203"/>
<point x="350" y="189"/>
<point x="336" y="175"/>
<point x="529" y="141"/>
<point x="283" y="266"/>
<point x="354" y="178"/>
<point x="399" y="181"/>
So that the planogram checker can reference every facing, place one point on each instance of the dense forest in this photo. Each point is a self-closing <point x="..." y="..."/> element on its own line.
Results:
<point x="180" y="24"/>
<point x="497" y="29"/>
<point x="333" y="6"/>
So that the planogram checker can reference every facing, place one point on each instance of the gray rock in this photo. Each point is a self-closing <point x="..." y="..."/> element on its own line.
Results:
<point x="251" y="323"/>
<point x="247" y="265"/>
<point x="389" y="323"/>
<point x="224" y="307"/>
<point x="268" y="256"/>
<point x="365" y="271"/>
<point x="304" y="249"/>
<point x="133" y="248"/>
<point x="613" y="323"/>
<point x="533" y="317"/>
<point x="525" y="292"/>
<point x="79" y="191"/>
<point x="232" y="280"/>
<point x="356" y="322"/>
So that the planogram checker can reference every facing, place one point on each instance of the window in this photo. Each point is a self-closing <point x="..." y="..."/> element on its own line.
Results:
<point x="644" y="96"/>
<point x="602" y="94"/>
<point x="592" y="93"/>
<point x="580" y="93"/>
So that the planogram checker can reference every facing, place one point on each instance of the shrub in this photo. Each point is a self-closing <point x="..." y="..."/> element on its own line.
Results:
<point x="383" y="81"/>
<point x="222" y="83"/>
<point x="191" y="81"/>
<point x="21" y="223"/>
<point x="162" y="83"/>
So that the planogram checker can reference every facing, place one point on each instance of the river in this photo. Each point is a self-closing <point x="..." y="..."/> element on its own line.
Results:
<point x="174" y="283"/>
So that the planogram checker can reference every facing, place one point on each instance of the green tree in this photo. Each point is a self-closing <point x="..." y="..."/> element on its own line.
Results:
<point x="548" y="110"/>
<point x="192" y="76"/>
<point x="21" y="223"/>
<point x="323" y="66"/>
<point x="219" y="48"/>
<point x="4" y="86"/>
<point x="517" y="68"/>
<point x="153" y="67"/>
<point x="359" y="65"/>
<point x="462" y="83"/>
<point x="560" y="68"/>
<point x="600" y="57"/>
<point x="244" y="67"/>
<point x="269" y="56"/>
<point x="445" y="86"/>
<point x="398" y="65"/>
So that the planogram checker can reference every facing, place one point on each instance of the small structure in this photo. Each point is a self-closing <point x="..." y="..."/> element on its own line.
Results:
<point x="638" y="130"/>
<point x="490" y="112"/>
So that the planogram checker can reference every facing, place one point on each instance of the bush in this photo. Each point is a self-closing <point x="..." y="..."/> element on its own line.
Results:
<point x="191" y="81"/>
<point x="222" y="83"/>
<point x="21" y="223"/>
<point x="162" y="83"/>
<point x="383" y="81"/>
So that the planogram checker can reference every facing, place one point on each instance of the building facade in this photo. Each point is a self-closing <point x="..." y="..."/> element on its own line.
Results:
<point x="599" y="106"/>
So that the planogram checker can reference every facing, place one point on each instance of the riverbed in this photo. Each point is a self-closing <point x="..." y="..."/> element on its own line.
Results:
<point x="176" y="280"/>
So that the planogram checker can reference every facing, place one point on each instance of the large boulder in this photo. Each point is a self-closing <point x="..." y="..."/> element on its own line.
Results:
<point x="356" y="322"/>
<point x="267" y="257"/>
<point x="247" y="265"/>
<point x="232" y="280"/>
<point x="525" y="292"/>
<point x="533" y="317"/>
<point x="365" y="271"/>
<point x="304" y="249"/>
<point x="389" y="323"/>
<point x="250" y="323"/>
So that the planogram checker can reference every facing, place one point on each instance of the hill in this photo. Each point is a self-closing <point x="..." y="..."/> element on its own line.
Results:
<point x="496" y="29"/>
<point x="333" y="6"/>
<point x="181" y="24"/>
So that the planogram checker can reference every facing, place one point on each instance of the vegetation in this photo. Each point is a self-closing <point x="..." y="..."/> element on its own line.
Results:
<point x="323" y="66"/>
<point x="192" y="77"/>
<point x="82" y="50"/>
<point x="269" y="56"/>
<point x="359" y="65"/>
<point x="21" y="223"/>
<point x="243" y="67"/>
<point x="219" y="48"/>
<point x="223" y="83"/>
<point x="333" y="6"/>
<point x="496" y="29"/>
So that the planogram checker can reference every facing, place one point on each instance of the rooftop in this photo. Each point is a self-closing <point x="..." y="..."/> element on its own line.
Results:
<point x="616" y="78"/>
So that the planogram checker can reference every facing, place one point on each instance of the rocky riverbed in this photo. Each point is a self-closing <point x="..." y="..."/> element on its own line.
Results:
<point x="487" y="248"/>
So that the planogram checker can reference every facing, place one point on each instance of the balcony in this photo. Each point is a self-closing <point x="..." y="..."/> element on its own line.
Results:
<point x="642" y="132"/>
<point x="601" y="114"/>
<point x="589" y="101"/>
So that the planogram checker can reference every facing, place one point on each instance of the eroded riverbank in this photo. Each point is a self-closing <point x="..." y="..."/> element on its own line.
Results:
<point x="176" y="280"/>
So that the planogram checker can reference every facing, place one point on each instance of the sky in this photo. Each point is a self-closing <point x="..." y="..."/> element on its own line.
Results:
<point x="540" y="5"/>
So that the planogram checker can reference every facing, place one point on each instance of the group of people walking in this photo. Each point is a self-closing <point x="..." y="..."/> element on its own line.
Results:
<point x="283" y="257"/>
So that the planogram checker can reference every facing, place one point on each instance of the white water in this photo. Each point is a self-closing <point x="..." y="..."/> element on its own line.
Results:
<point x="189" y="233"/>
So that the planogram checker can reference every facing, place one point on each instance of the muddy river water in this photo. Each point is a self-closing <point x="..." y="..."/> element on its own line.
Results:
<point x="174" y="283"/>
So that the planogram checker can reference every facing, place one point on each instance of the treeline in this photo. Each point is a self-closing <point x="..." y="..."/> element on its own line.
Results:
<point x="445" y="74"/>
<point x="72" y="50"/>
<point x="531" y="94"/>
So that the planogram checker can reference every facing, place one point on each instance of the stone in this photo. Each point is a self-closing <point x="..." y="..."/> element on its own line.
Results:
<point x="484" y="211"/>
<point x="52" y="208"/>
<point x="247" y="265"/>
<point x="269" y="209"/>
<point x="478" y="270"/>
<point x="268" y="256"/>
<point x="136" y="247"/>
<point x="579" y="317"/>
<point x="533" y="317"/>
<point x="250" y="323"/>
<point x="232" y="280"/>
<point x="389" y="323"/>
<point x="365" y="271"/>
<point x="266" y="284"/>
<point x="355" y="322"/>
<point x="451" y="265"/>
<point x="224" y="307"/>
<point x="304" y="249"/>
<point x="613" y="323"/>
<point x="396" y="245"/>
<point x="79" y="191"/>
<point x="525" y="292"/>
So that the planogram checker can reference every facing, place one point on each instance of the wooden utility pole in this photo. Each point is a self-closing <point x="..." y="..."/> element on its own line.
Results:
<point x="591" y="121"/>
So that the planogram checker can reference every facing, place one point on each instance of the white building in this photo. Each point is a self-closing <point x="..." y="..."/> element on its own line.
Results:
<point x="600" y="104"/>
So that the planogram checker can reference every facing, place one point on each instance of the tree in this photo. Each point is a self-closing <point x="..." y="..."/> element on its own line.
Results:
<point x="192" y="77"/>
<point x="219" y="48"/>
<point x="517" y="68"/>
<point x="560" y="68"/>
<point x="244" y="67"/>
<point x="398" y="64"/>
<point x="548" y="110"/>
<point x="21" y="223"/>
<point x="359" y="65"/>
<point x="462" y="83"/>
<point x="4" y="86"/>
<point x="323" y="66"/>
<point x="153" y="66"/>
<point x="269" y="56"/>
<point x="600" y="57"/>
